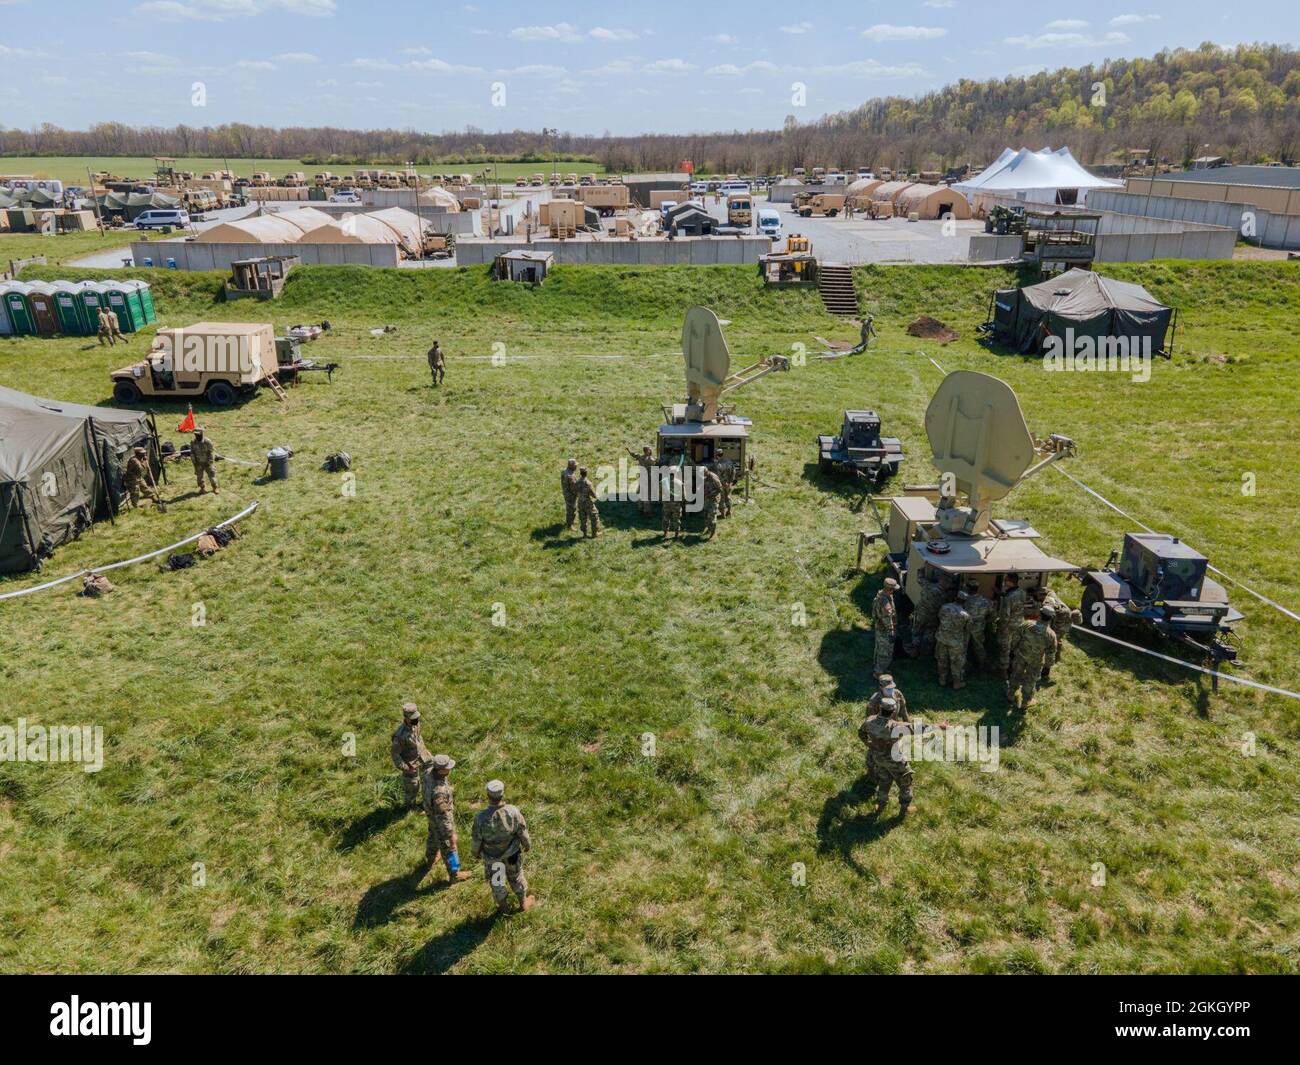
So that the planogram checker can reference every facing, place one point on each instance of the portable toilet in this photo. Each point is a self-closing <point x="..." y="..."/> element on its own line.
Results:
<point x="124" y="302"/>
<point x="40" y="299"/>
<point x="6" y="326"/>
<point x="145" y="295"/>
<point x="20" y="315"/>
<point x="91" y="294"/>
<point x="67" y="305"/>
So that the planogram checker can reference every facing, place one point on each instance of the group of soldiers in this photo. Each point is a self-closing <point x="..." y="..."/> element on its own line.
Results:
<point x="499" y="835"/>
<point x="579" y="499"/>
<point x="1027" y="630"/>
<point x="138" y="478"/>
<point x="109" y="328"/>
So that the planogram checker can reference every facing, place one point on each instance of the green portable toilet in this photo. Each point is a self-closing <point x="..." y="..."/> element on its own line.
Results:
<point x="145" y="294"/>
<point x="67" y="305"/>
<point x="91" y="294"/>
<point x="124" y="302"/>
<point x="20" y="315"/>
<point x="6" y="326"/>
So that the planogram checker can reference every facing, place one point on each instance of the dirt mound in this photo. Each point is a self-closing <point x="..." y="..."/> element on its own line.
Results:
<point x="931" y="329"/>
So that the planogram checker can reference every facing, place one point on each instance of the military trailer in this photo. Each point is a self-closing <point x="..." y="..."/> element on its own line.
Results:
<point x="216" y="360"/>
<point x="982" y="448"/>
<point x="860" y="448"/>
<point x="1159" y="584"/>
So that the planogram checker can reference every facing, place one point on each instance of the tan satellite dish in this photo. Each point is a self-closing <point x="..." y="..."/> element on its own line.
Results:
<point x="980" y="441"/>
<point x="708" y="361"/>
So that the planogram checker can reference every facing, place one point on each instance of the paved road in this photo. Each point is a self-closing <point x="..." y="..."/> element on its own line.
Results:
<point x="120" y="256"/>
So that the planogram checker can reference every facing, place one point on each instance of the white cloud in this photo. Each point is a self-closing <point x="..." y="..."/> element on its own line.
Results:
<point x="723" y="38"/>
<point x="221" y="10"/>
<point x="419" y="49"/>
<point x="944" y="4"/>
<point x="1067" y="24"/>
<point x="254" y="64"/>
<point x="19" y="53"/>
<point x="1066" y="40"/>
<point x="797" y="28"/>
<point x="440" y="66"/>
<point x="373" y="64"/>
<point x="296" y="57"/>
<point x="536" y="70"/>
<point x="614" y="67"/>
<point x="600" y="33"/>
<point x="1133" y="20"/>
<point x="759" y="66"/>
<point x="869" y="68"/>
<point x="885" y="32"/>
<point x="668" y="66"/>
<point x="561" y="31"/>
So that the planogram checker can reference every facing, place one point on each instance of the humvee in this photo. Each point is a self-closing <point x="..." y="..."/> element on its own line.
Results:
<point x="1159" y="584"/>
<point x="860" y="448"/>
<point x="216" y="360"/>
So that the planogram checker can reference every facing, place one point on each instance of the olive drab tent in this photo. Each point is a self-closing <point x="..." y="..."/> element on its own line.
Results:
<point x="20" y="314"/>
<point x="1087" y="304"/>
<point x="60" y="470"/>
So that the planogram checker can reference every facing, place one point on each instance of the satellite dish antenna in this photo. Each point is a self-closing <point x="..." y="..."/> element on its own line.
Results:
<point x="708" y="361"/>
<point x="981" y="444"/>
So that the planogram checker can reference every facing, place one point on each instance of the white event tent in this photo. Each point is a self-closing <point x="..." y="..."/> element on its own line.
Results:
<point x="1047" y="176"/>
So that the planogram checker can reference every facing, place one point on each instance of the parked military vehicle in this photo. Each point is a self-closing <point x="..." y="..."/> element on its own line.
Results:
<point x="982" y="448"/>
<point x="824" y="203"/>
<point x="700" y="430"/>
<point x="215" y="360"/>
<point x="1003" y="220"/>
<point x="860" y="448"/>
<point x="1159" y="584"/>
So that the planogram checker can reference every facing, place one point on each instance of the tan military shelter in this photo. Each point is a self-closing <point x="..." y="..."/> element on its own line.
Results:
<point x="860" y="191"/>
<point x="438" y="197"/>
<point x="406" y="224"/>
<point x="887" y="191"/>
<point x="304" y="218"/>
<point x="931" y="201"/>
<point x="260" y="229"/>
<point x="355" y="229"/>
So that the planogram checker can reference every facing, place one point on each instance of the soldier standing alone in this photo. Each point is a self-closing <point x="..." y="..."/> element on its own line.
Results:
<point x="203" y="455"/>
<point x="884" y="619"/>
<point x="440" y="808"/>
<point x="588" y="515"/>
<point x="500" y="837"/>
<point x="950" y="645"/>
<point x="137" y="477"/>
<point x="569" y="486"/>
<point x="1033" y="648"/>
<point x="410" y="755"/>
<point x="437" y="364"/>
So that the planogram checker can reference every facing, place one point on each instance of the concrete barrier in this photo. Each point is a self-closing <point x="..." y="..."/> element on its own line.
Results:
<point x="699" y="251"/>
<point x="993" y="247"/>
<point x="192" y="255"/>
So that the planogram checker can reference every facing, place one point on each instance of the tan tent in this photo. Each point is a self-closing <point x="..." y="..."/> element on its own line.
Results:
<point x="860" y="191"/>
<point x="439" y="197"/>
<point x="931" y="201"/>
<point x="263" y="229"/>
<point x="887" y="191"/>
<point x="304" y="218"/>
<point x="354" y="229"/>
<point x="406" y="224"/>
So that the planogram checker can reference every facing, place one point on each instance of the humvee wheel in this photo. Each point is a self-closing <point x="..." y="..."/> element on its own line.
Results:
<point x="221" y="394"/>
<point x="893" y="469"/>
<point x="126" y="392"/>
<point x="833" y="211"/>
<point x="1093" y="605"/>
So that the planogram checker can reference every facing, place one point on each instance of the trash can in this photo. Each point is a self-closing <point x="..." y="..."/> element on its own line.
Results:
<point x="278" y="457"/>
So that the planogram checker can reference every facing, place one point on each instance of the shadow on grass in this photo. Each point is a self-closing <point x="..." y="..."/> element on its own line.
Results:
<point x="370" y="825"/>
<point x="846" y="485"/>
<point x="381" y="902"/>
<point x="837" y="831"/>
<point x="447" y="948"/>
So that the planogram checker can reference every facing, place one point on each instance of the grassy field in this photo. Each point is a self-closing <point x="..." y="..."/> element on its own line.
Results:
<point x="226" y="743"/>
<point x="58" y="248"/>
<point x="71" y="169"/>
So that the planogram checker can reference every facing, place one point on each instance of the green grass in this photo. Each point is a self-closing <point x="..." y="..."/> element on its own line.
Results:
<point x="225" y="742"/>
<point x="60" y="247"/>
<point x="71" y="169"/>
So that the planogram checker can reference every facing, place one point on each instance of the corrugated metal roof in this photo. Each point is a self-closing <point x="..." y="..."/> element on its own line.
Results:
<point x="1280" y="177"/>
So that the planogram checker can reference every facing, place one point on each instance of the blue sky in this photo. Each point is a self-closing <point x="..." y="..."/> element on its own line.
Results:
<point x="664" y="66"/>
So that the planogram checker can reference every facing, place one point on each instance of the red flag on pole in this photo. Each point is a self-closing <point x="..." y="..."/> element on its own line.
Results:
<point x="187" y="424"/>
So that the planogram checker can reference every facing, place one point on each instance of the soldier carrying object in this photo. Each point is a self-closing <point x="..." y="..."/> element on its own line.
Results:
<point x="884" y="619"/>
<point x="500" y="837"/>
<point x="980" y="609"/>
<point x="712" y="493"/>
<point x="137" y="477"/>
<point x="437" y="364"/>
<point x="1011" y="612"/>
<point x="410" y="755"/>
<point x="950" y="644"/>
<point x="203" y="454"/>
<point x="1033" y="647"/>
<point x="588" y="514"/>
<point x="647" y="462"/>
<point x="569" y="486"/>
<point x="440" y="809"/>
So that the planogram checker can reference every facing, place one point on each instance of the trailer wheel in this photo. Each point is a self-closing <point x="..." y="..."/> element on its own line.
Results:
<point x="825" y="465"/>
<point x="221" y="394"/>
<point x="126" y="392"/>
<point x="892" y="469"/>
<point x="1093" y="605"/>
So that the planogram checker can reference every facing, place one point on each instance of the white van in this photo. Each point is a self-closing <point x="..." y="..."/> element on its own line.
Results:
<point x="769" y="222"/>
<point x="728" y="187"/>
<point x="159" y="218"/>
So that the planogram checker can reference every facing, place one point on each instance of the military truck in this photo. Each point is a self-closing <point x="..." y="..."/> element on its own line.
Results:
<point x="860" y="448"/>
<point x="824" y="203"/>
<point x="1160" y="585"/>
<point x="982" y="448"/>
<point x="219" y="361"/>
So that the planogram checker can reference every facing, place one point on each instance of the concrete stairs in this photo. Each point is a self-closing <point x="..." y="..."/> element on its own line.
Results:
<point x="836" y="286"/>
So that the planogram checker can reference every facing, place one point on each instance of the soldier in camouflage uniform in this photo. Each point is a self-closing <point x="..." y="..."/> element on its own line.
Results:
<point x="1033" y="646"/>
<point x="1063" y="618"/>
<point x="569" y="486"/>
<point x="500" y="837"/>
<point x="1011" y="612"/>
<point x="440" y="809"/>
<point x="925" y="618"/>
<point x="887" y="690"/>
<point x="647" y="463"/>
<point x="137" y="477"/>
<point x="884" y="619"/>
<point x="727" y="475"/>
<point x="203" y="455"/>
<point x="106" y="320"/>
<point x="712" y="493"/>
<point x="886" y="757"/>
<point x="588" y="515"/>
<point x="980" y="609"/>
<point x="437" y="364"/>
<point x="410" y="755"/>
<point x="950" y="645"/>
<point x="672" y="502"/>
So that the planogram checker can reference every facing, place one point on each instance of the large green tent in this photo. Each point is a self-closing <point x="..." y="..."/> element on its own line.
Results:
<point x="60" y="470"/>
